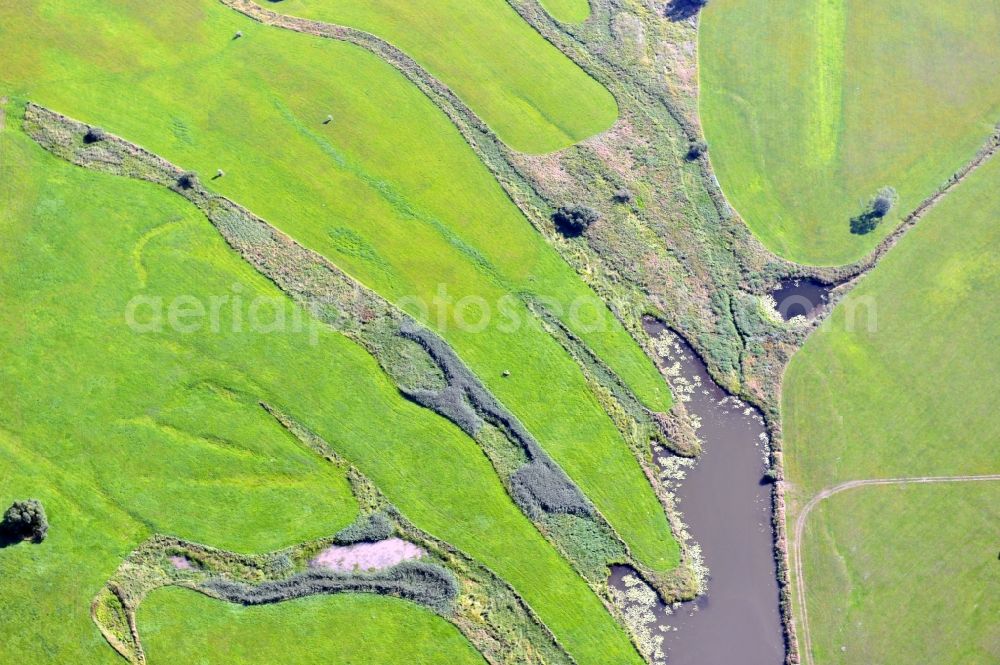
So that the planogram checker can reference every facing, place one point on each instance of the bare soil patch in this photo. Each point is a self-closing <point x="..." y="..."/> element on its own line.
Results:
<point x="367" y="556"/>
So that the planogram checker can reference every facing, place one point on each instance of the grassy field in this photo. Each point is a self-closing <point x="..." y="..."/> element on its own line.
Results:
<point x="389" y="191"/>
<point x="168" y="428"/>
<point x="921" y="587"/>
<point x="134" y="433"/>
<point x="532" y="95"/>
<point x="184" y="627"/>
<point x="811" y="106"/>
<point x="567" y="11"/>
<point x="912" y="395"/>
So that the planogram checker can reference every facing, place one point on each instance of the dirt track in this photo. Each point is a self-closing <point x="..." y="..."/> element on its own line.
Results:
<point x="800" y="525"/>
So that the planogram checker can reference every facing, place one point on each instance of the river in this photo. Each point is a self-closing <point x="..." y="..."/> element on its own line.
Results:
<point x="726" y="504"/>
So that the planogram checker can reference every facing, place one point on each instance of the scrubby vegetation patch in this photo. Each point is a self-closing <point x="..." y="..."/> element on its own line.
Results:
<point x="484" y="608"/>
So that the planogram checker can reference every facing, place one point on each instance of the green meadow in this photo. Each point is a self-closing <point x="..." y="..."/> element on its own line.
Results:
<point x="567" y="11"/>
<point x="905" y="575"/>
<point x="123" y="432"/>
<point x="180" y="626"/>
<point x="812" y="106"/>
<point x="528" y="92"/>
<point x="389" y="191"/>
<point x="902" y="382"/>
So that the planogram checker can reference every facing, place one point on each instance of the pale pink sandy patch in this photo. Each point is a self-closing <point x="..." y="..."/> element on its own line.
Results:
<point x="180" y="563"/>
<point x="366" y="556"/>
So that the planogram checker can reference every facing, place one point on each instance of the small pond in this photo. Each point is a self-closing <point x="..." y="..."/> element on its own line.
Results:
<point x="801" y="297"/>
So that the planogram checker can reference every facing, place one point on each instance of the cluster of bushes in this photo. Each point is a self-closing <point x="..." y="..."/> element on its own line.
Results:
<point x="188" y="180"/>
<point x="678" y="10"/>
<point x="622" y="195"/>
<point x="696" y="149"/>
<point x="25" y="520"/>
<point x="587" y="542"/>
<point x="465" y="401"/>
<point x="877" y="209"/>
<point x="451" y="403"/>
<point x="538" y="487"/>
<point x="423" y="583"/>
<point x="94" y="135"/>
<point x="572" y="221"/>
<point x="367" y="529"/>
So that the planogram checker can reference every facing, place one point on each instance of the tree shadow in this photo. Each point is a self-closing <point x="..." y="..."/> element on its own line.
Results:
<point x="865" y="223"/>
<point x="8" y="537"/>
<point x="681" y="10"/>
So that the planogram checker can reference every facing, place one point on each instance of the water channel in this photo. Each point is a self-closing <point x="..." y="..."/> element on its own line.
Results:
<point x="726" y="504"/>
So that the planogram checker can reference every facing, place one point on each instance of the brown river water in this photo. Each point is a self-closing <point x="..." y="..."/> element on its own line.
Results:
<point x="726" y="504"/>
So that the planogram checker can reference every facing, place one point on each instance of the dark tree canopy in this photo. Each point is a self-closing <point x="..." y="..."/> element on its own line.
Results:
<point x="188" y="180"/>
<point x="573" y="220"/>
<point x="678" y="10"/>
<point x="94" y="134"/>
<point x="879" y="207"/>
<point x="696" y="149"/>
<point x="26" y="520"/>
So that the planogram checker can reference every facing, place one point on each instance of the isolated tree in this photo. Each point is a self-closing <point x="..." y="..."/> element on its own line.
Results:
<point x="881" y="206"/>
<point x="26" y="519"/>
<point x="94" y="134"/>
<point x="877" y="209"/>
<point x="696" y="149"/>
<point x="188" y="180"/>
<point x="573" y="220"/>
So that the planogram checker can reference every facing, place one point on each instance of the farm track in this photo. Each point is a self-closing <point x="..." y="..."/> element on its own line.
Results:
<point x="800" y="524"/>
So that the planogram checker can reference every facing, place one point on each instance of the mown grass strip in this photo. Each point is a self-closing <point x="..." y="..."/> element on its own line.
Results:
<point x="532" y="95"/>
<point x="90" y="222"/>
<point x="811" y="107"/>
<point x="182" y="627"/>
<point x="407" y="151"/>
<point x="567" y="11"/>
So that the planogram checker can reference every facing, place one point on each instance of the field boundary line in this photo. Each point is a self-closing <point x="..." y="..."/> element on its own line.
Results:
<point x="800" y="524"/>
<point x="852" y="271"/>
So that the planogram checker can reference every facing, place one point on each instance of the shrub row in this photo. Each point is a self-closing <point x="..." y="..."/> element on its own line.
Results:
<point x="369" y="528"/>
<point x="539" y="486"/>
<point x="416" y="581"/>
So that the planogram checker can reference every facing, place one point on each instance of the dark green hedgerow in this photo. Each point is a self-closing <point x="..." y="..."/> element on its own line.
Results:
<point x="419" y="582"/>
